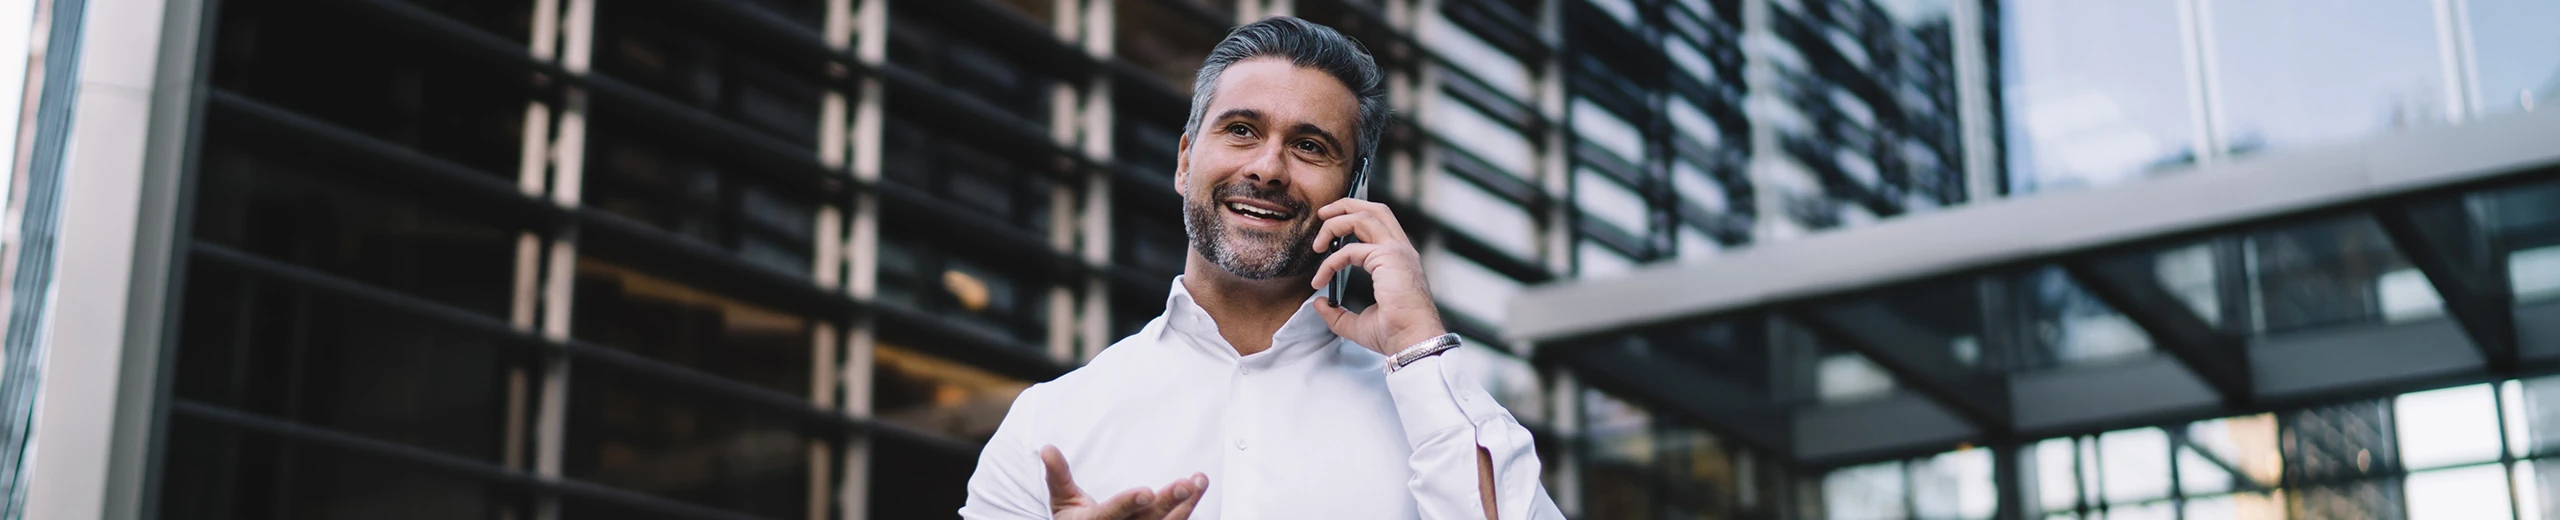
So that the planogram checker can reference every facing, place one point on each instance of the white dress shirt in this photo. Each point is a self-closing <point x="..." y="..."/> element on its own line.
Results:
<point x="1312" y="428"/>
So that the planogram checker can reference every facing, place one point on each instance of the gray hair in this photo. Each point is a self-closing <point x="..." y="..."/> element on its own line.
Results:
<point x="1304" y="44"/>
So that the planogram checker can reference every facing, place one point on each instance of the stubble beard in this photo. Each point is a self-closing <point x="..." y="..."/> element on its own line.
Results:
<point x="1251" y="254"/>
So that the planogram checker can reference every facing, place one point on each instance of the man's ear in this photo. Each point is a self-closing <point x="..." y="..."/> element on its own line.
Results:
<point x="1181" y="164"/>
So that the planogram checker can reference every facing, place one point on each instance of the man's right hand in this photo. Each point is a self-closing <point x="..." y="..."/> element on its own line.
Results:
<point x="1068" y="502"/>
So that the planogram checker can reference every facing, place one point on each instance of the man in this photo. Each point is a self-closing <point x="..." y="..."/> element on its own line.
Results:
<point x="1251" y="398"/>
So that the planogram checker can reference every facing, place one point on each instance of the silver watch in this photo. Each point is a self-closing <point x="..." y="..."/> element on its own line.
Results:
<point x="1426" y="348"/>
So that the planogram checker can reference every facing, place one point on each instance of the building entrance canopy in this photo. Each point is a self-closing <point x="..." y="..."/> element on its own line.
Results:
<point x="2423" y="259"/>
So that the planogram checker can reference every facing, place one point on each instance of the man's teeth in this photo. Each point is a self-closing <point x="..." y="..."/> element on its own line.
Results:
<point x="1254" y="211"/>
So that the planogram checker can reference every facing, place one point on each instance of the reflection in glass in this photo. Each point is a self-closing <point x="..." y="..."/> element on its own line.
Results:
<point x="1874" y="491"/>
<point x="217" y="471"/>
<point x="2097" y="92"/>
<point x="2057" y="486"/>
<point x="940" y="396"/>
<point x="2330" y="273"/>
<point x="2515" y="53"/>
<point x="1700" y="478"/>
<point x="2440" y="428"/>
<point x="691" y="327"/>
<point x="2136" y="465"/>
<point x="651" y="437"/>
<point x="2469" y="493"/>
<point x="1846" y="377"/>
<point x="1618" y="481"/>
<point x="2527" y="223"/>
<point x="2300" y="72"/>
<point x="2246" y="506"/>
<point x="1954" y="485"/>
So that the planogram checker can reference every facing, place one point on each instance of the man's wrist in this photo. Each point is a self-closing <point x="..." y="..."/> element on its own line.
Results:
<point x="1411" y="336"/>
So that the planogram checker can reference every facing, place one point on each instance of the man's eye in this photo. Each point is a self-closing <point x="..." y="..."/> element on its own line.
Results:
<point x="1310" y="147"/>
<point x="1239" y="131"/>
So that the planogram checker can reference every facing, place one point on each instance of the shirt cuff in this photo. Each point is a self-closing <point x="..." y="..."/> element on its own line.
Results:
<point x="1426" y="400"/>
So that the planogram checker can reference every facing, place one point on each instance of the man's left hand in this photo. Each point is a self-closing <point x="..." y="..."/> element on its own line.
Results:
<point x="1404" y="314"/>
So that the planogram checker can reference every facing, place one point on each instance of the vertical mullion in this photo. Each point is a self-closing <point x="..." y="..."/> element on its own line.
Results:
<point x="2453" y="52"/>
<point x="1064" y="112"/>
<point x="1100" y="23"/>
<point x="567" y="155"/>
<point x="1974" y="102"/>
<point x="528" y="298"/>
<point x="2204" y="88"/>
<point x="1555" y="101"/>
<point x="828" y="266"/>
<point x="870" y="45"/>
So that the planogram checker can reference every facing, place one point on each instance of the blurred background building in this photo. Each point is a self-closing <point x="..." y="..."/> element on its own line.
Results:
<point x="1856" y="259"/>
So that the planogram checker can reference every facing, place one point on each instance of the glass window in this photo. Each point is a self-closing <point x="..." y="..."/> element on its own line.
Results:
<point x="2300" y="72"/>
<point x="1846" y="377"/>
<point x="1694" y="124"/>
<point x="2247" y="506"/>
<point x="651" y="437"/>
<point x="2515" y="53"/>
<point x="1600" y="261"/>
<point x="2136" y="465"/>
<point x="2057" y="484"/>
<point x="2447" y="427"/>
<point x="680" y="58"/>
<point x="939" y="396"/>
<point x="1618" y="482"/>
<point x="2476" y="492"/>
<point x="971" y="290"/>
<point x="2096" y="94"/>
<point x="1603" y="196"/>
<point x="1870" y="492"/>
<point x="675" y="186"/>
<point x="669" y="321"/>
<point x="1606" y="129"/>
<point x="1468" y="52"/>
<point x="1470" y="288"/>
<point x="218" y="471"/>
<point x="1954" y="485"/>
<point x="1482" y="136"/>
<point x="1697" y="245"/>
<point x="1480" y="214"/>
<point x="1698" y="187"/>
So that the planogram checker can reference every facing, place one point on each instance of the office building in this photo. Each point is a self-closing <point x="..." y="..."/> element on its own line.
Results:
<point x="540" y="259"/>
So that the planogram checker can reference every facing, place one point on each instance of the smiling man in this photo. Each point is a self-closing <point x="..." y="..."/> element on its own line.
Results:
<point x="1252" y="397"/>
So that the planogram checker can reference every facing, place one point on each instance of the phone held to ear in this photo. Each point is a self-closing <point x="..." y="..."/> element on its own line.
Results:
<point x="1351" y="287"/>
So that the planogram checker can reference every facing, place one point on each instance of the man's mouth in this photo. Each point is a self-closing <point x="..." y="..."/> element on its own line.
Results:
<point x="1258" y="211"/>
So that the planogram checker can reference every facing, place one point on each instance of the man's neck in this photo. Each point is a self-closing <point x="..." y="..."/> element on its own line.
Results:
<point x="1247" y="312"/>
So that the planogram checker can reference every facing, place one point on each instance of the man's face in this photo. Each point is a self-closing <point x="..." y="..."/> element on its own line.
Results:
<point x="1275" y="143"/>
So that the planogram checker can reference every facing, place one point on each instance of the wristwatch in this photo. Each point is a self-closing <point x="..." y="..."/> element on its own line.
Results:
<point x="1426" y="348"/>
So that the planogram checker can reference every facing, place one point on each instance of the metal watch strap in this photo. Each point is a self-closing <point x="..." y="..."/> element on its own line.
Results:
<point x="1427" y="348"/>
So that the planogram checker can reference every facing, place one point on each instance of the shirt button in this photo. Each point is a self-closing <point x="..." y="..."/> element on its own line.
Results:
<point x="1245" y="371"/>
<point x="1239" y="444"/>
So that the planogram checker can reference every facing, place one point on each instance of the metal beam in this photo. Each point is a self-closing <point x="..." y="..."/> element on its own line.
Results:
<point x="2439" y="239"/>
<point x="1917" y="357"/>
<point x="2124" y="283"/>
<point x="2205" y="198"/>
<point x="1629" y="368"/>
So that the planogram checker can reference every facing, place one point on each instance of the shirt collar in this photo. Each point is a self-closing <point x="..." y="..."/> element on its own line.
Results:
<point x="1303" y="333"/>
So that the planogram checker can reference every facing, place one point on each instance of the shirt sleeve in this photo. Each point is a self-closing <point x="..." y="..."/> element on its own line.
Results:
<point x="1446" y="419"/>
<point x="1010" y="483"/>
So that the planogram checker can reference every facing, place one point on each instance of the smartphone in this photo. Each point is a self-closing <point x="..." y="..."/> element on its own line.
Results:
<point x="1351" y="287"/>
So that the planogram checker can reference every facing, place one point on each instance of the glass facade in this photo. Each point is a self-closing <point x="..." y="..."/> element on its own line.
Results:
<point x="796" y="258"/>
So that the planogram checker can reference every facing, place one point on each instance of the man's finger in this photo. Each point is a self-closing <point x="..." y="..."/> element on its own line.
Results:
<point x="1352" y="225"/>
<point x="1182" y="510"/>
<point x="1062" y="485"/>
<point x="1127" y="505"/>
<point x="1347" y="205"/>
<point x="1350" y="255"/>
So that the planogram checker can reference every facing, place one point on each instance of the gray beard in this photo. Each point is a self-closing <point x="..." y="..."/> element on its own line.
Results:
<point x="1249" y="254"/>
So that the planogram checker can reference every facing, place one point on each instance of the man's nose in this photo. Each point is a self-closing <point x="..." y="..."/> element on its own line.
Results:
<point x="1269" y="166"/>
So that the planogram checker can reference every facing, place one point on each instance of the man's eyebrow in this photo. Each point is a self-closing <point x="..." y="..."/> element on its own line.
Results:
<point x="1239" y="113"/>
<point x="1310" y="128"/>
